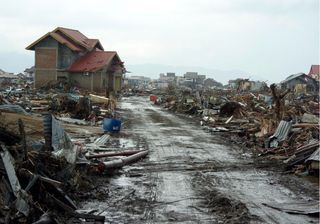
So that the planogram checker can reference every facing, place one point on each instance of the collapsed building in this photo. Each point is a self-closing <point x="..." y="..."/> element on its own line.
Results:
<point x="300" y="83"/>
<point x="7" y="77"/>
<point x="247" y="85"/>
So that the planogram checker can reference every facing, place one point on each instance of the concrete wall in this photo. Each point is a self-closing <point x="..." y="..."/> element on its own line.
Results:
<point x="110" y="82"/>
<point x="66" y="57"/>
<point x="94" y="82"/>
<point x="46" y="54"/>
<point x="104" y="80"/>
<point x="62" y="75"/>
<point x="43" y="77"/>
<point x="46" y="58"/>
<point x="84" y="81"/>
<point x="97" y="84"/>
<point x="117" y="82"/>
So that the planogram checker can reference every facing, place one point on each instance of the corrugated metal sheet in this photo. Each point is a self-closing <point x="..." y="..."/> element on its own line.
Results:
<point x="280" y="134"/>
<point x="102" y="140"/>
<point x="47" y="129"/>
<point x="314" y="156"/>
<point x="294" y="76"/>
<point x="13" y="108"/>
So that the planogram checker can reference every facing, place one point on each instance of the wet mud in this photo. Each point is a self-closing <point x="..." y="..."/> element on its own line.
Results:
<point x="191" y="176"/>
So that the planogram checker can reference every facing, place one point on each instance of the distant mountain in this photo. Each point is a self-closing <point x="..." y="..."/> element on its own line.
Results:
<point x="153" y="71"/>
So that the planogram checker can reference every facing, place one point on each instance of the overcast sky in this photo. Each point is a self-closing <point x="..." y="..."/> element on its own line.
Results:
<point x="266" y="38"/>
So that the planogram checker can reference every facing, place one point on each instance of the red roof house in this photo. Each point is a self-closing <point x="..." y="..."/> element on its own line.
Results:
<point x="69" y="55"/>
<point x="315" y="72"/>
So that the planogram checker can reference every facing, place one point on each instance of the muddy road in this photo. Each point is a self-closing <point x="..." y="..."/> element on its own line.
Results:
<point x="192" y="176"/>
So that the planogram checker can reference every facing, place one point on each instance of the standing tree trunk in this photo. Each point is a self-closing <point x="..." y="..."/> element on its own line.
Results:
<point x="278" y="100"/>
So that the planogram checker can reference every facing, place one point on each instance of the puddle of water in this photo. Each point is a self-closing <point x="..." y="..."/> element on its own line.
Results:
<point x="122" y="181"/>
<point x="127" y="142"/>
<point x="121" y="142"/>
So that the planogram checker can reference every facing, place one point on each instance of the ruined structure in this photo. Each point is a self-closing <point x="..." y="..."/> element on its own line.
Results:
<point x="300" y="83"/>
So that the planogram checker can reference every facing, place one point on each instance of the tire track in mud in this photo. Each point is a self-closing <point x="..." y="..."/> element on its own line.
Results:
<point x="192" y="176"/>
<point x="234" y="175"/>
<point x="174" y="144"/>
<point x="171" y="185"/>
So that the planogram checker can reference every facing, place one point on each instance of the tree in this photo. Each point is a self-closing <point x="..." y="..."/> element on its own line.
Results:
<point x="278" y="100"/>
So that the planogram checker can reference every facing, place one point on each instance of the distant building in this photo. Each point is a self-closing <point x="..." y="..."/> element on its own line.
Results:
<point x="258" y="86"/>
<point x="300" y="83"/>
<point x="162" y="85"/>
<point x="193" y="80"/>
<point x="244" y="85"/>
<point x="247" y="85"/>
<point x="7" y="77"/>
<point x="169" y="77"/>
<point x="240" y="84"/>
<point x="139" y="82"/>
<point x="29" y="72"/>
<point x="233" y="84"/>
<point x="171" y="74"/>
<point x="200" y="79"/>
<point x="191" y="75"/>
<point x="209" y="83"/>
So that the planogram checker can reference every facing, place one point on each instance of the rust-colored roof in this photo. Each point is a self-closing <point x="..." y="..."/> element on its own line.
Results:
<point x="94" y="43"/>
<point x="315" y="69"/>
<point x="75" y="36"/>
<point x="61" y="39"/>
<point x="93" y="61"/>
<point x="73" y="39"/>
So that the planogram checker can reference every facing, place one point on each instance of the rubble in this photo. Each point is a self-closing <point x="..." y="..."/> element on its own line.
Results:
<point x="312" y="162"/>
<point x="269" y="121"/>
<point x="54" y="142"/>
<point x="44" y="170"/>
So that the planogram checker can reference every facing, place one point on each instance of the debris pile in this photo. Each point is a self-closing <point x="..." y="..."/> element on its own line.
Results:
<point x="62" y="100"/>
<point x="274" y="123"/>
<point x="44" y="170"/>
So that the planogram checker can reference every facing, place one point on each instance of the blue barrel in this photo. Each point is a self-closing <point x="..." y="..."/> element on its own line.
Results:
<point x="111" y="125"/>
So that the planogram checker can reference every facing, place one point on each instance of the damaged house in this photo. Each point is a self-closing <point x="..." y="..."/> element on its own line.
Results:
<point x="210" y="83"/>
<point x="67" y="54"/>
<point x="300" y="83"/>
<point x="240" y="84"/>
<point x="7" y="77"/>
